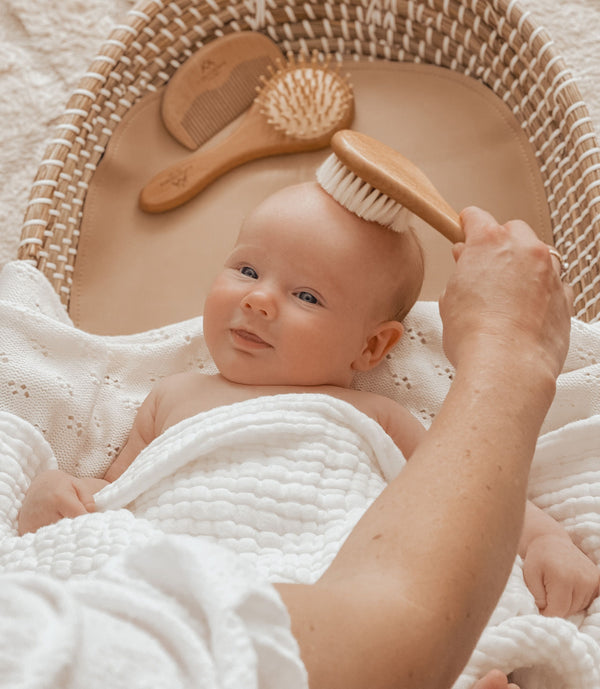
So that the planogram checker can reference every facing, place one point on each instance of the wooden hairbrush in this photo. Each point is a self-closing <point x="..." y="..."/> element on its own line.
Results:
<point x="216" y="85"/>
<point x="375" y="182"/>
<point x="299" y="107"/>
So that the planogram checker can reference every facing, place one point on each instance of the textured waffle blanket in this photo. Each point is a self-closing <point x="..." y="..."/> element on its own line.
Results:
<point x="170" y="581"/>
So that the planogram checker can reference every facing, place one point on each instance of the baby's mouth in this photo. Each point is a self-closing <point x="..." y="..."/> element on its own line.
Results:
<point x="249" y="337"/>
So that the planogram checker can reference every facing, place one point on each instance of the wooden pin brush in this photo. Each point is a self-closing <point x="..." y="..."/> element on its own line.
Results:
<point x="375" y="182"/>
<point x="299" y="107"/>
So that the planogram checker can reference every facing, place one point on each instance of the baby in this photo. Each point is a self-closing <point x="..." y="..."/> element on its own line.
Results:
<point x="309" y="295"/>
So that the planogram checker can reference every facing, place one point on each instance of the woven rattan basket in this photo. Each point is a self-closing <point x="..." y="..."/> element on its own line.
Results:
<point x="490" y="40"/>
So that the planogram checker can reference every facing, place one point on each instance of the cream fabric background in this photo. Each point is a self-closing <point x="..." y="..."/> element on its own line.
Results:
<point x="45" y="46"/>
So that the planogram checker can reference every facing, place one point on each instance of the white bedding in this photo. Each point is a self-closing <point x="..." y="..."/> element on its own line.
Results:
<point x="269" y="489"/>
<point x="177" y="612"/>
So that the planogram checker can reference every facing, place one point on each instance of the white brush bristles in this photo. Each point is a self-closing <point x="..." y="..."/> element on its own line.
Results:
<point x="358" y="196"/>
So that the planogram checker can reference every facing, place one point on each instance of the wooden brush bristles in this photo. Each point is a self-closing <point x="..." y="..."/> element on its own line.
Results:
<point x="302" y="99"/>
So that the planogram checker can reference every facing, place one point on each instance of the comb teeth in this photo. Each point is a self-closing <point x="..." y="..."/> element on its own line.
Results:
<point x="303" y="100"/>
<point x="212" y="110"/>
<point x="358" y="196"/>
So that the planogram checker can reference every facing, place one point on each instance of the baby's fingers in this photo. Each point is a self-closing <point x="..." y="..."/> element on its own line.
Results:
<point x="495" y="679"/>
<point x="559" y="600"/>
<point x="585" y="592"/>
<point x="71" y="506"/>
<point x="553" y="596"/>
<point x="534" y="579"/>
<point x="85" y="495"/>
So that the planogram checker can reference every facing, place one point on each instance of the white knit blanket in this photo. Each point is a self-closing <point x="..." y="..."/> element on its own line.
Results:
<point x="269" y="488"/>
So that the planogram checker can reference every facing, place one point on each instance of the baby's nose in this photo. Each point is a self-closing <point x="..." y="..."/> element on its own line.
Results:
<point x="260" y="302"/>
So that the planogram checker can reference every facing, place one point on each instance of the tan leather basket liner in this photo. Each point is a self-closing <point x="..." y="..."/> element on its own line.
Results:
<point x="136" y="271"/>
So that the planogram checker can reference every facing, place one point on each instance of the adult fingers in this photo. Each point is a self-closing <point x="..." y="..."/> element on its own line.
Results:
<point x="570" y="296"/>
<point x="504" y="284"/>
<point x="556" y="260"/>
<point x="457" y="250"/>
<point x="474" y="219"/>
<point x="561" y="267"/>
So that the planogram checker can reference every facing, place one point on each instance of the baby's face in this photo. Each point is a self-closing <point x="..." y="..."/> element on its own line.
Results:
<point x="297" y="298"/>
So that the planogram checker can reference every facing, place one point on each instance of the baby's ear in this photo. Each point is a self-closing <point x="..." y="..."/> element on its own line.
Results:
<point x="378" y="344"/>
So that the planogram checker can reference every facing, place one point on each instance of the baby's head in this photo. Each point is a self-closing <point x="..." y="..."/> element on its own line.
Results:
<point x="310" y="293"/>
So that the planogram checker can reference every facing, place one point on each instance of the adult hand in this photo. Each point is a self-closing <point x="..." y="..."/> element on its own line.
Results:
<point x="505" y="293"/>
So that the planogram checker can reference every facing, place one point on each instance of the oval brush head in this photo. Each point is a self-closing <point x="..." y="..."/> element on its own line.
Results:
<point x="305" y="100"/>
<point x="299" y="107"/>
<point x="376" y="182"/>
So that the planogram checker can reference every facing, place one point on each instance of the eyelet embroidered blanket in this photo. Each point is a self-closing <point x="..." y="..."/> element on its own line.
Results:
<point x="268" y="488"/>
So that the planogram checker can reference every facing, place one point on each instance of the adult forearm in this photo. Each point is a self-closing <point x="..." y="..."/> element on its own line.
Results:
<point x="427" y="563"/>
<point x="459" y="504"/>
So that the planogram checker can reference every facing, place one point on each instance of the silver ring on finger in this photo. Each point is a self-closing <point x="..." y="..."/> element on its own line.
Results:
<point x="564" y="266"/>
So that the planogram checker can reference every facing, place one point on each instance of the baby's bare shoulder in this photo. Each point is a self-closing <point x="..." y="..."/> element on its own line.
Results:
<point x="369" y="403"/>
<point x="180" y="396"/>
<point x="397" y="421"/>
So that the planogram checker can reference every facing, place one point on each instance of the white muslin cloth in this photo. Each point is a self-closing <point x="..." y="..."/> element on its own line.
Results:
<point x="176" y="612"/>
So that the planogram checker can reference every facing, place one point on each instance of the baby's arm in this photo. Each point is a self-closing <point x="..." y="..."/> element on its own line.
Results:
<point x="404" y="429"/>
<point x="141" y="435"/>
<point x="55" y="494"/>
<point x="563" y="580"/>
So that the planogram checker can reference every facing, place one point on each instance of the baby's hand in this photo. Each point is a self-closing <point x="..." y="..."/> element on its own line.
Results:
<point x="53" y="495"/>
<point x="563" y="580"/>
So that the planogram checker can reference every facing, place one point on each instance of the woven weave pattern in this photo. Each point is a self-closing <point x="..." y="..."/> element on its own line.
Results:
<point x="490" y="40"/>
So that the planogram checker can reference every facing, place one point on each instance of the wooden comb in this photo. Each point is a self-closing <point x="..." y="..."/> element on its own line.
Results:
<point x="215" y="85"/>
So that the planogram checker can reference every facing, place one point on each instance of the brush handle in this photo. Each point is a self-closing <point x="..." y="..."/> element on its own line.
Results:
<point x="254" y="138"/>
<point x="397" y="177"/>
<point x="442" y="217"/>
<point x="182" y="181"/>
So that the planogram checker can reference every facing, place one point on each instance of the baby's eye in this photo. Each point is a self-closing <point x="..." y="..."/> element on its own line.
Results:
<point x="249" y="272"/>
<point x="307" y="297"/>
